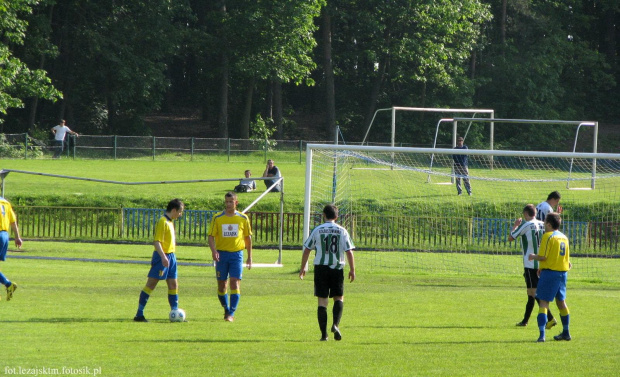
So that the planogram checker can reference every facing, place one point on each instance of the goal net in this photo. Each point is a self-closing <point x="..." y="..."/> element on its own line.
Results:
<point x="398" y="221"/>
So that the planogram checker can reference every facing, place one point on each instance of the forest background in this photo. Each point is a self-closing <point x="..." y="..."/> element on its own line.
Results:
<point x="297" y="69"/>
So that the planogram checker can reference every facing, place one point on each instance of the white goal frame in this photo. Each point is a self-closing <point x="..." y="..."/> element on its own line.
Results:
<point x="578" y="123"/>
<point x="442" y="151"/>
<point x="428" y="110"/>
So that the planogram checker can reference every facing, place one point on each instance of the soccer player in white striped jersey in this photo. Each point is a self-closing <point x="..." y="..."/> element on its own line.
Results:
<point x="546" y="207"/>
<point x="331" y="242"/>
<point x="530" y="231"/>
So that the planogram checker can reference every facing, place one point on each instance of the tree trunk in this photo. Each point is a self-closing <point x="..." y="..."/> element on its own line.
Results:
<point x="244" y="131"/>
<point x="610" y="35"/>
<point x="374" y="94"/>
<point x="472" y="65"/>
<point x="32" y="116"/>
<point x="278" y="112"/>
<point x="330" y="96"/>
<point x="503" y="21"/>
<point x="222" y="118"/>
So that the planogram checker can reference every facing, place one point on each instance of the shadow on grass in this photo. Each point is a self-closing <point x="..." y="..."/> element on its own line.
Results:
<point x="80" y="320"/>
<point x="453" y="342"/>
<point x="424" y="327"/>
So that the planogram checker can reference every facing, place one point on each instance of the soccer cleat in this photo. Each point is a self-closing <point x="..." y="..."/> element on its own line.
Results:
<point x="140" y="318"/>
<point x="551" y="323"/>
<point x="521" y="324"/>
<point x="336" y="331"/>
<point x="541" y="339"/>
<point x="324" y="339"/>
<point x="229" y="318"/>
<point x="562" y="336"/>
<point x="9" y="291"/>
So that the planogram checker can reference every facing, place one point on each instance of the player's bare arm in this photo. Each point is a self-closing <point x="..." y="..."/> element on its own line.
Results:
<point x="351" y="260"/>
<point x="214" y="253"/>
<point x="164" y="258"/>
<point x="248" y="247"/>
<point x="18" y="239"/>
<point x="304" y="261"/>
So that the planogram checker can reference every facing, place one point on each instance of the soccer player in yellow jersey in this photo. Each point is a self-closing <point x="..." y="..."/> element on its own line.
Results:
<point x="554" y="263"/>
<point x="8" y="221"/>
<point x="164" y="261"/>
<point x="229" y="235"/>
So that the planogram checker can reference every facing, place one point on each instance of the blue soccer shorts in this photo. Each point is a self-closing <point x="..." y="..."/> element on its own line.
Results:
<point x="158" y="271"/>
<point x="552" y="285"/>
<point x="230" y="264"/>
<point x="4" y="244"/>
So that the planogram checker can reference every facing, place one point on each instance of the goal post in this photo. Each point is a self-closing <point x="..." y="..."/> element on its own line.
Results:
<point x="397" y="221"/>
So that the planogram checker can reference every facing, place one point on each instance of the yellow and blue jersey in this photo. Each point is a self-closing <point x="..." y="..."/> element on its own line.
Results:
<point x="230" y="231"/>
<point x="554" y="246"/>
<point x="7" y="216"/>
<point x="164" y="233"/>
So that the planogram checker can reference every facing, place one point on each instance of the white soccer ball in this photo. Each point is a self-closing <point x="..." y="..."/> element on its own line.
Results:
<point x="177" y="315"/>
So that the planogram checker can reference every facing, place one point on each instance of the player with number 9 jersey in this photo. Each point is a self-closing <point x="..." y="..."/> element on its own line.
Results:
<point x="554" y="246"/>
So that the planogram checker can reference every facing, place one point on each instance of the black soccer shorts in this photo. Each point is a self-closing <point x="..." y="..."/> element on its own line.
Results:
<point x="328" y="282"/>
<point x="531" y="277"/>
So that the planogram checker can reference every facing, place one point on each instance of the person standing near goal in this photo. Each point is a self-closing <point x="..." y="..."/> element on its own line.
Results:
<point x="554" y="258"/>
<point x="553" y="200"/>
<point x="8" y="222"/>
<point x="163" y="261"/>
<point x="229" y="234"/>
<point x="530" y="231"/>
<point x="332" y="243"/>
<point x="461" y="170"/>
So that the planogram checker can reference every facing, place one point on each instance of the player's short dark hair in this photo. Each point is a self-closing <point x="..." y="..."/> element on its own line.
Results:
<point x="330" y="211"/>
<point x="554" y="220"/>
<point x="530" y="210"/>
<point x="175" y="204"/>
<point x="554" y="195"/>
<point x="230" y="194"/>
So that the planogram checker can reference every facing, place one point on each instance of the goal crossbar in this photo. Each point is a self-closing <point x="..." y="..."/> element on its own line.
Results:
<point x="422" y="109"/>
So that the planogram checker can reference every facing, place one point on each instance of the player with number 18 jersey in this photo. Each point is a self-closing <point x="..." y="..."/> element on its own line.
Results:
<point x="331" y="242"/>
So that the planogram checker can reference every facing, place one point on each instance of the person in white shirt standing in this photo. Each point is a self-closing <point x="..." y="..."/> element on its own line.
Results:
<point x="60" y="131"/>
<point x="331" y="242"/>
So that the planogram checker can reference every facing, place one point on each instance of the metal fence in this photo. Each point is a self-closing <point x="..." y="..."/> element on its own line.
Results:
<point x="368" y="231"/>
<point x="22" y="146"/>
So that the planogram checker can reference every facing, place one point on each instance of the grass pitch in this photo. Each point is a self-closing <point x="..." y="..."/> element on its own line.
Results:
<point x="72" y="316"/>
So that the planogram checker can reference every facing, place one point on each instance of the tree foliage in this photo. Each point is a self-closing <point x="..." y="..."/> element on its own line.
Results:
<point x="17" y="80"/>
<point x="116" y="61"/>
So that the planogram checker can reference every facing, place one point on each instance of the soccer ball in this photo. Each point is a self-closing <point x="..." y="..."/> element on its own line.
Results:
<point x="177" y="315"/>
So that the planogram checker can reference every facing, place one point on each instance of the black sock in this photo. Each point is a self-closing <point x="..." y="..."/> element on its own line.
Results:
<point x="528" y="309"/>
<point x="321" y="314"/>
<point x="337" y="312"/>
